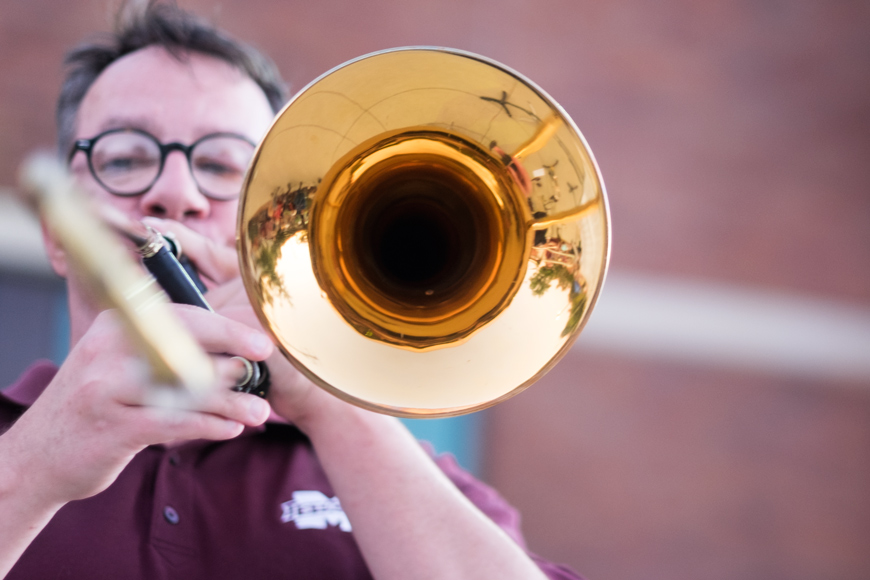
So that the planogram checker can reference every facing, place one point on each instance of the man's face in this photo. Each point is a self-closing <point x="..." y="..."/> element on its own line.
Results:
<point x="174" y="101"/>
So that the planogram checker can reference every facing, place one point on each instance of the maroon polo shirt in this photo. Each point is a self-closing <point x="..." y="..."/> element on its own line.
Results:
<point x="257" y="506"/>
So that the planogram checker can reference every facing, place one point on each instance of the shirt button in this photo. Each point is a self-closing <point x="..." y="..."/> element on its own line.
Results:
<point x="174" y="459"/>
<point x="171" y="515"/>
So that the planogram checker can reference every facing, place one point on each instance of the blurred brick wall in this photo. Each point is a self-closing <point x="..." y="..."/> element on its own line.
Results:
<point x="734" y="138"/>
<point x="635" y="470"/>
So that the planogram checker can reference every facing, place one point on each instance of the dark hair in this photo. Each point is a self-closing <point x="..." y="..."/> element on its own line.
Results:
<point x="142" y="23"/>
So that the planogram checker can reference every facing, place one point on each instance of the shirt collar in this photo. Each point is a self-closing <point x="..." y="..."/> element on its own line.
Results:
<point x="31" y="383"/>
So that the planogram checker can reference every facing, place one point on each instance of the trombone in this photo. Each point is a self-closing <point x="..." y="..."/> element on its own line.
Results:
<point x="422" y="231"/>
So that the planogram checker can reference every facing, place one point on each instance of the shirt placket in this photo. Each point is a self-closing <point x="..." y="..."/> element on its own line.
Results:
<point x="172" y="533"/>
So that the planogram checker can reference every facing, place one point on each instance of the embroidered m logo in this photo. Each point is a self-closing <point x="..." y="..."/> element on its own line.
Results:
<point x="313" y="510"/>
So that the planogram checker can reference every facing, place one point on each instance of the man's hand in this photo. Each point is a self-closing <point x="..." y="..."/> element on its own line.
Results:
<point x="99" y="411"/>
<point x="292" y="395"/>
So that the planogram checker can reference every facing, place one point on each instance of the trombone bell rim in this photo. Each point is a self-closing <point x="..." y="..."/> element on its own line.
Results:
<point x="359" y="325"/>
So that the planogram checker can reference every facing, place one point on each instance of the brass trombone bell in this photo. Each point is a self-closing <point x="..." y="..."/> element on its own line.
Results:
<point x="423" y="232"/>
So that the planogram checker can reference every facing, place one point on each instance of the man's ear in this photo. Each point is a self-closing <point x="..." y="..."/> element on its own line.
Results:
<point x="56" y="255"/>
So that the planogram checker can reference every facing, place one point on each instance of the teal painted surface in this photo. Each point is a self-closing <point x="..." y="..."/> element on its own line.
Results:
<point x="460" y="436"/>
<point x="60" y="331"/>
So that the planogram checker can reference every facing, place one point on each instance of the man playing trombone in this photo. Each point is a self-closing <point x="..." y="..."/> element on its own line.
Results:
<point x="98" y="483"/>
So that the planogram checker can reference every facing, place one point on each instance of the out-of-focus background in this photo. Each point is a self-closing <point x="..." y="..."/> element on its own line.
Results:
<point x="714" y="419"/>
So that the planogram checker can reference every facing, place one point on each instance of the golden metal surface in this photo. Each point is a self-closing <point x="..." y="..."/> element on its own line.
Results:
<point x="424" y="232"/>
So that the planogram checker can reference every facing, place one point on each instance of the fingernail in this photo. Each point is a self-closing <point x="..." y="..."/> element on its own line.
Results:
<point x="260" y="343"/>
<point x="258" y="409"/>
<point x="233" y="426"/>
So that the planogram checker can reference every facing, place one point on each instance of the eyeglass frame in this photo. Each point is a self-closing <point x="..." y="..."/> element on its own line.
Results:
<point x="87" y="145"/>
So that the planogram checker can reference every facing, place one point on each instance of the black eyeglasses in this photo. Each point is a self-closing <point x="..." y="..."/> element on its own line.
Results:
<point x="129" y="162"/>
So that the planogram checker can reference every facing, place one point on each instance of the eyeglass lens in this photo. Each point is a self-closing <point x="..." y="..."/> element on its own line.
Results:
<point x="128" y="163"/>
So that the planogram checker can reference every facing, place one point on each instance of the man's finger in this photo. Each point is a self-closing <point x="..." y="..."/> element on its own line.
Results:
<point x="160" y="424"/>
<point x="220" y="335"/>
<point x="174" y="405"/>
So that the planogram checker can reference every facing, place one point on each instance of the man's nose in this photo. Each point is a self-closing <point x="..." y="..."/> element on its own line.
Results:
<point x="175" y="194"/>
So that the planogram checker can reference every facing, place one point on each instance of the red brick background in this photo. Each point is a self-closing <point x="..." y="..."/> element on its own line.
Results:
<point x="734" y="138"/>
<point x="637" y="470"/>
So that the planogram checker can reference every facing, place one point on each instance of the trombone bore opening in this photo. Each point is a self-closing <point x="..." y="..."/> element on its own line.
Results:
<point x="422" y="236"/>
<point x="419" y="238"/>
